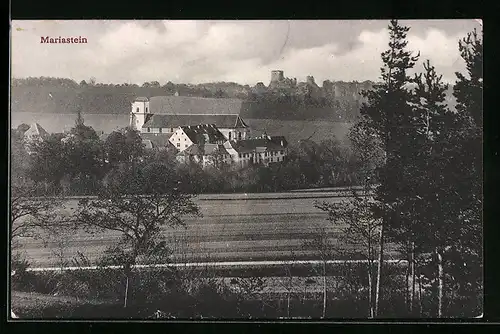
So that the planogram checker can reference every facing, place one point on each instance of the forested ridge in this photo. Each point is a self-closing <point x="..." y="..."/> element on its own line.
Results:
<point x="335" y="101"/>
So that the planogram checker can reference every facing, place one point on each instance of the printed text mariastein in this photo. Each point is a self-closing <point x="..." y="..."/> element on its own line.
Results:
<point x="63" y="40"/>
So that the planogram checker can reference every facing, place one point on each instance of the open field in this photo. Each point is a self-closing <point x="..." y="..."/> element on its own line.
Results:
<point x="244" y="227"/>
<point x="292" y="130"/>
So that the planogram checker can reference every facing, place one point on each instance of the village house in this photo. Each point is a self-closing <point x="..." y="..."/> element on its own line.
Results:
<point x="34" y="134"/>
<point x="263" y="150"/>
<point x="161" y="115"/>
<point x="186" y="136"/>
<point x="206" y="155"/>
<point x="205" y="145"/>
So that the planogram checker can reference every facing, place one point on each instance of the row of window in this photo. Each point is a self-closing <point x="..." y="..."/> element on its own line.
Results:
<point x="248" y="155"/>
<point x="230" y="134"/>
<point x="160" y="130"/>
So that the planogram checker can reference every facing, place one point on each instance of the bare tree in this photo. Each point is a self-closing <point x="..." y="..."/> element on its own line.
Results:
<point x="325" y="251"/>
<point x="29" y="215"/>
<point x="138" y="205"/>
<point x="360" y="232"/>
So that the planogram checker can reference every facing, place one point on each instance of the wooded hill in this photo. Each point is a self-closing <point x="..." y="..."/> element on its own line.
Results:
<point x="334" y="101"/>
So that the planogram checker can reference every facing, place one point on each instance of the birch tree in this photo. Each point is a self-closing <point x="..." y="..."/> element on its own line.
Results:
<point x="359" y="233"/>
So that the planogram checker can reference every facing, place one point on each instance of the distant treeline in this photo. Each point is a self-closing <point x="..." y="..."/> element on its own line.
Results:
<point x="339" y="101"/>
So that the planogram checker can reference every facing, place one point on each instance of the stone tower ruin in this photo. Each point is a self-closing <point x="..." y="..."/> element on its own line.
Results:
<point x="277" y="76"/>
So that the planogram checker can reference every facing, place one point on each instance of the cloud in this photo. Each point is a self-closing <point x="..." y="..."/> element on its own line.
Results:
<point x="240" y="51"/>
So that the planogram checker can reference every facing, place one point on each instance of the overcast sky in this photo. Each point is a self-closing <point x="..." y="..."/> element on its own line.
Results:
<point x="240" y="51"/>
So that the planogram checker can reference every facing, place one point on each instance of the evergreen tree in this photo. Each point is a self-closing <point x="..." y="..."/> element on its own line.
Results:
<point x="388" y="115"/>
<point x="467" y="143"/>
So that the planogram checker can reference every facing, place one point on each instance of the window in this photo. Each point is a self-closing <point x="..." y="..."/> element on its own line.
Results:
<point x="178" y="144"/>
<point x="137" y="110"/>
<point x="184" y="139"/>
<point x="149" y="129"/>
<point x="239" y="135"/>
<point x="229" y="135"/>
<point x="171" y="129"/>
<point x="271" y="159"/>
<point x="146" y="109"/>
<point x="161" y="129"/>
<point x="185" y="145"/>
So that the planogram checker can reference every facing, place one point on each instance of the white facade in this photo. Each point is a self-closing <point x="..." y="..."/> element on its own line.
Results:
<point x="263" y="155"/>
<point x="180" y="140"/>
<point x="206" y="160"/>
<point x="235" y="133"/>
<point x="140" y="109"/>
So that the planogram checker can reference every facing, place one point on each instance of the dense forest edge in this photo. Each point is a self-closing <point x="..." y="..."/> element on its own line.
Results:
<point x="336" y="101"/>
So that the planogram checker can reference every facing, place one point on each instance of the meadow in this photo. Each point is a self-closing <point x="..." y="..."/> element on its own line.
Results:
<point x="234" y="227"/>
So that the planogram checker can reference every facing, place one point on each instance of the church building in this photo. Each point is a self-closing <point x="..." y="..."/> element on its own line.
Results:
<point x="164" y="114"/>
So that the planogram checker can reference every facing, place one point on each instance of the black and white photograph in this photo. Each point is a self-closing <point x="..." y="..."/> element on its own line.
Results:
<point x="171" y="170"/>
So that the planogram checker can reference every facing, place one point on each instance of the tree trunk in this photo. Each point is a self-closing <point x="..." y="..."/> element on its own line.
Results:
<point x="379" y="270"/>
<point x="370" y="290"/>
<point x="126" y="293"/>
<point x="412" y="298"/>
<point x="420" y="294"/>
<point x="440" y="282"/>
<point x="407" y="288"/>
<point x="370" y="278"/>
<point x="288" y="305"/>
<point x="324" y="290"/>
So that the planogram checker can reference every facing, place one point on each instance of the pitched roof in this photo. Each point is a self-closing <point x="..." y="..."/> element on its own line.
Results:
<point x="173" y="121"/>
<point x="214" y="149"/>
<point x="206" y="132"/>
<point x="157" y="139"/>
<point x="207" y="149"/>
<point x="36" y="130"/>
<point x="195" y="105"/>
<point x="259" y="144"/>
<point x="194" y="149"/>
<point x="141" y="99"/>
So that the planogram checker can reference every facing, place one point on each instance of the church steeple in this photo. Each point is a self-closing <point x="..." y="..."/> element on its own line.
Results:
<point x="140" y="110"/>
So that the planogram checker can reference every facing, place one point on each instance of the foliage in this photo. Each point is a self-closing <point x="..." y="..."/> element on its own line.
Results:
<point x="137" y="203"/>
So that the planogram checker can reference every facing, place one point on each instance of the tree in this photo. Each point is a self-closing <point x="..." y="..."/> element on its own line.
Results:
<point x="115" y="148"/>
<point x="323" y="249"/>
<point x="137" y="204"/>
<point x="462" y="158"/>
<point x="154" y="84"/>
<point x="83" y="151"/>
<point x="359" y="230"/>
<point x="133" y="144"/>
<point x="28" y="213"/>
<point x="48" y="162"/>
<point x="387" y="113"/>
<point x="423" y="228"/>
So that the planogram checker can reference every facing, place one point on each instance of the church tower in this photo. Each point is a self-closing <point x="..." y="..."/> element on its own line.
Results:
<point x="140" y="112"/>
